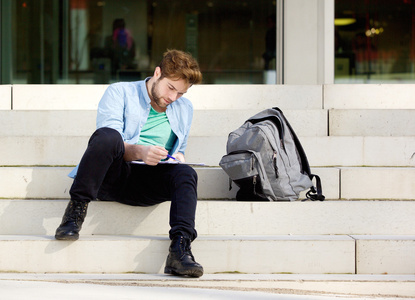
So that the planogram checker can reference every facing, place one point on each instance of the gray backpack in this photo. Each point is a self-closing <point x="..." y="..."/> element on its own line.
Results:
<point x="267" y="162"/>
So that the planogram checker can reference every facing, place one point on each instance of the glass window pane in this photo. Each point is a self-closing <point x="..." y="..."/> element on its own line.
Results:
<point x="91" y="41"/>
<point x="374" y="41"/>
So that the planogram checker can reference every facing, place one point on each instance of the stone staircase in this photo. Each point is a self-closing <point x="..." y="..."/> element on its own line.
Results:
<point x="360" y="139"/>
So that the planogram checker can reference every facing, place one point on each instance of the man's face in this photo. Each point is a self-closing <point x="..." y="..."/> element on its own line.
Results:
<point x="165" y="91"/>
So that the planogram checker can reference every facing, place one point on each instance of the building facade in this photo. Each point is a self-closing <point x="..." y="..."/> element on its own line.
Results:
<point x="235" y="42"/>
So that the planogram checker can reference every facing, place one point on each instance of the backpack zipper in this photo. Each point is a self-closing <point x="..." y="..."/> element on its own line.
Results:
<point x="254" y="183"/>
<point x="274" y="160"/>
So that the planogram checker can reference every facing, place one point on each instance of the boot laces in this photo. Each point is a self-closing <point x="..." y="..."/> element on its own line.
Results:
<point x="185" y="247"/>
<point x="76" y="211"/>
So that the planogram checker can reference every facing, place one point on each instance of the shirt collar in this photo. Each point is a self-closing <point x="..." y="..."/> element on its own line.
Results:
<point x="144" y="90"/>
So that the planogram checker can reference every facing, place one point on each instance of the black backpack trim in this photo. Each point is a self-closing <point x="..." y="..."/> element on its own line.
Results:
<point x="315" y="193"/>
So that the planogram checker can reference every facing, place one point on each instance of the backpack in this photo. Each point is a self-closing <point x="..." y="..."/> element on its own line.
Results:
<point x="266" y="161"/>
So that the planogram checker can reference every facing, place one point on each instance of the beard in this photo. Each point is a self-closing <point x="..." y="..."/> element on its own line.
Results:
<point x="156" y="95"/>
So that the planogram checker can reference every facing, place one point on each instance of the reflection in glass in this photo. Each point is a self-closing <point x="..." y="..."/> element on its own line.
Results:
<point x="374" y="41"/>
<point x="91" y="41"/>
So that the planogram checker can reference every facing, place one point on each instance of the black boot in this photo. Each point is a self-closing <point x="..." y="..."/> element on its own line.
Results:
<point x="180" y="260"/>
<point x="72" y="221"/>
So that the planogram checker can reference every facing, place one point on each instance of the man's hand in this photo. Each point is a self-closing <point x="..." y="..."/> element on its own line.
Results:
<point x="179" y="156"/>
<point x="151" y="155"/>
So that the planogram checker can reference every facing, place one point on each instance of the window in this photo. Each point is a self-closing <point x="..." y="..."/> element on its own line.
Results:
<point x="90" y="41"/>
<point x="374" y="41"/>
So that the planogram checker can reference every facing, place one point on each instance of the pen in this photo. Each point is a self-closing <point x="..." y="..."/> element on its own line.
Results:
<point x="169" y="156"/>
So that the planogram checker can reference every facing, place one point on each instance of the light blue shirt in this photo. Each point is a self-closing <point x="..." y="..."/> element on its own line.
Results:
<point x="125" y="107"/>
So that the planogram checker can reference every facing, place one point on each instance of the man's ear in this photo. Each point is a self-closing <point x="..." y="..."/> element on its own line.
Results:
<point x="157" y="73"/>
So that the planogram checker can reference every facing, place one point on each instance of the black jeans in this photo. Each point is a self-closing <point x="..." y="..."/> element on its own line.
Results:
<point x="104" y="174"/>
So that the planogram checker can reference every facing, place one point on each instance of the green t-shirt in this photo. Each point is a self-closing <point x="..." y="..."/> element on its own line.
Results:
<point x="157" y="131"/>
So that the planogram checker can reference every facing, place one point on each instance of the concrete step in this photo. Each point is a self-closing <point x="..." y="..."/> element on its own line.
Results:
<point x="369" y="96"/>
<point x="376" y="183"/>
<point x="348" y="151"/>
<point x="56" y="96"/>
<point x="81" y="97"/>
<point x="311" y="254"/>
<point x="42" y="217"/>
<point x="53" y="182"/>
<point x="147" y="254"/>
<point x="312" y="122"/>
<point x="372" y="122"/>
<point x="321" y="151"/>
<point x="395" y="253"/>
<point x="246" y="286"/>
<point x="205" y="122"/>
<point x="5" y="97"/>
<point x="338" y="96"/>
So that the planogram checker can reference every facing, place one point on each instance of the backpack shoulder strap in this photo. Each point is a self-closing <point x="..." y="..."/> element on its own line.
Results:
<point x="300" y="149"/>
<point x="315" y="193"/>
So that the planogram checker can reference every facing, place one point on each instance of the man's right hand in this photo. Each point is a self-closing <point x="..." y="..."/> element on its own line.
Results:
<point x="151" y="155"/>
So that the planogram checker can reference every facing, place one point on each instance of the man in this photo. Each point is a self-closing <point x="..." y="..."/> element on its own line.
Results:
<point x="146" y="120"/>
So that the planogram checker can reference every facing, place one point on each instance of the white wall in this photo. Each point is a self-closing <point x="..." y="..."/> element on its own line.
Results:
<point x="308" y="42"/>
